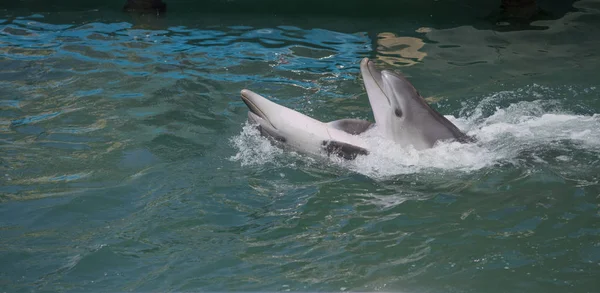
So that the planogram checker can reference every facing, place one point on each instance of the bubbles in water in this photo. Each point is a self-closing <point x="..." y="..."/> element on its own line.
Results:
<point x="536" y="129"/>
<point x="252" y="148"/>
<point x="387" y="158"/>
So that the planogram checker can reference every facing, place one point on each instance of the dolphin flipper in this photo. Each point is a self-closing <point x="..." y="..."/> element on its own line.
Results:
<point x="352" y="126"/>
<point x="342" y="149"/>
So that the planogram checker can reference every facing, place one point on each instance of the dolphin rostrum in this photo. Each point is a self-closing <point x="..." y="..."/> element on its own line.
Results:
<point x="401" y="114"/>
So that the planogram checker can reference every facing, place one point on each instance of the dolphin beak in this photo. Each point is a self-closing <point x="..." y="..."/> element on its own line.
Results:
<point x="249" y="98"/>
<point x="370" y="73"/>
<point x="380" y="102"/>
<point x="254" y="102"/>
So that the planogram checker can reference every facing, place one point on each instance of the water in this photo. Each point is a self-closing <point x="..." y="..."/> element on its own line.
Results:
<point x="127" y="165"/>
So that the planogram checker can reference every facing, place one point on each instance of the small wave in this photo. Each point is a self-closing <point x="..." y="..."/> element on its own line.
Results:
<point x="252" y="148"/>
<point x="387" y="158"/>
<point x="522" y="131"/>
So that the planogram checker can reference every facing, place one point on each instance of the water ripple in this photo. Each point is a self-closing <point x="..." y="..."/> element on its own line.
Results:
<point x="125" y="163"/>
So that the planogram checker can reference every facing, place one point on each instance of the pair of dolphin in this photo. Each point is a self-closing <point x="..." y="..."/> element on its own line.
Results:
<point x="401" y="115"/>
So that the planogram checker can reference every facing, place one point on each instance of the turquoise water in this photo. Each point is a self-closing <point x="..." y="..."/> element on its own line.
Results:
<point x="127" y="164"/>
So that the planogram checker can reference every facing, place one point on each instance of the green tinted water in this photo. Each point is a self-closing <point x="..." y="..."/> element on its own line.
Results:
<point x="126" y="164"/>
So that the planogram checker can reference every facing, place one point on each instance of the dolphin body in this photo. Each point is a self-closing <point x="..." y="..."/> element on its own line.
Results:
<point x="290" y="128"/>
<point x="401" y="115"/>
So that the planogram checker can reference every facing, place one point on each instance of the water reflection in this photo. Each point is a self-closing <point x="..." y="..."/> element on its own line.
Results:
<point x="399" y="51"/>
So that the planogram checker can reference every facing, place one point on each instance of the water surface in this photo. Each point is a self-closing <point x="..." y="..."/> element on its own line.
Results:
<point x="127" y="164"/>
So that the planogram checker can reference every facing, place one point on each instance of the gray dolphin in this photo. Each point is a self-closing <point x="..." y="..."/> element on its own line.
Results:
<point x="401" y="113"/>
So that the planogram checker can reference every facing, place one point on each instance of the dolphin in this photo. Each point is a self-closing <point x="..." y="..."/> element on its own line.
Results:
<point x="401" y="114"/>
<point x="289" y="128"/>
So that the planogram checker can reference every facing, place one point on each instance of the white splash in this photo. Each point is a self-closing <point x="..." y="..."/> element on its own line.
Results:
<point x="501" y="137"/>
<point x="387" y="158"/>
<point x="252" y="148"/>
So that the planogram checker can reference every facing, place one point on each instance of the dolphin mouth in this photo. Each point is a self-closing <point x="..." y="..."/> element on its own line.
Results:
<point x="369" y="71"/>
<point x="368" y="66"/>
<point x="255" y="115"/>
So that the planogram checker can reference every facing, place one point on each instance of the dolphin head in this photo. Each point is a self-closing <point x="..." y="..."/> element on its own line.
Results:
<point x="265" y="114"/>
<point x="400" y="111"/>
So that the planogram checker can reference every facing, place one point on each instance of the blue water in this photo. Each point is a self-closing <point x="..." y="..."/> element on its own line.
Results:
<point x="126" y="163"/>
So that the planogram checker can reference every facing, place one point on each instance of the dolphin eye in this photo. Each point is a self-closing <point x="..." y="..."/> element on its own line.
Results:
<point x="398" y="112"/>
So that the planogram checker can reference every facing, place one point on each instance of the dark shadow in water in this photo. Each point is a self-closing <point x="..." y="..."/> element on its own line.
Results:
<point x="481" y="14"/>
